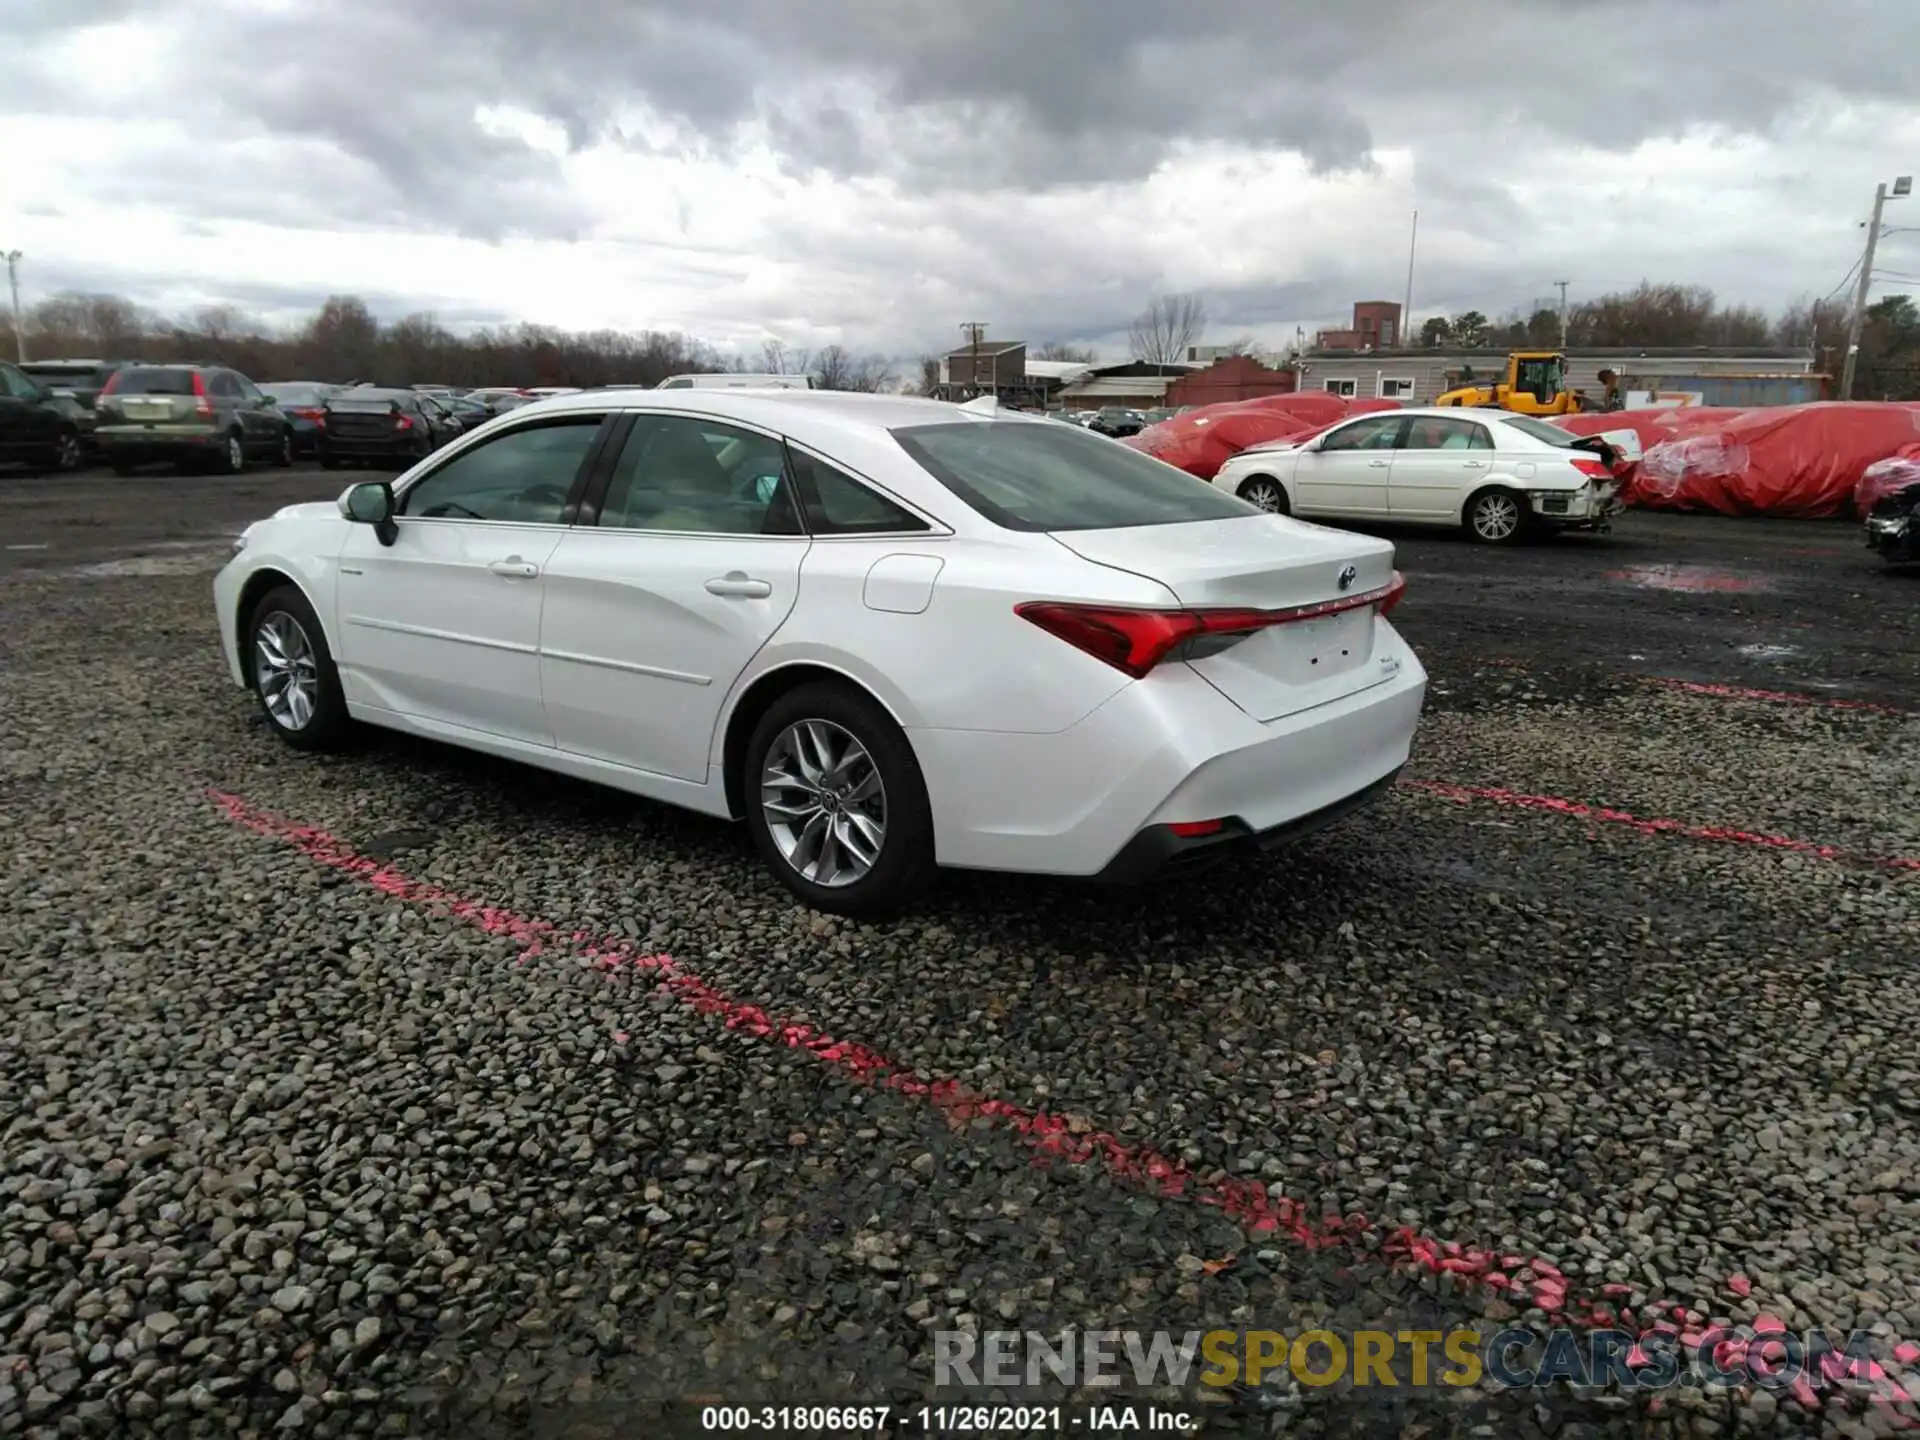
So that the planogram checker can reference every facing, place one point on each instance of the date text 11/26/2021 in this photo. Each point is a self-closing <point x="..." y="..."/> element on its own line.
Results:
<point x="945" y="1420"/>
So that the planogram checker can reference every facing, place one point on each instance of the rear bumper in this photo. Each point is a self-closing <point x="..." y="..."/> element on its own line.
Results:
<point x="1096" y="798"/>
<point x="1161" y="849"/>
<point x="368" y="448"/>
<point x="131" y="442"/>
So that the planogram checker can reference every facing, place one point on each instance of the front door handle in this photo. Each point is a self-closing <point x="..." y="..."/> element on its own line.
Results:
<point x="514" y="568"/>
<point x="739" y="583"/>
<point x="1378" y="464"/>
<point x="1474" y="464"/>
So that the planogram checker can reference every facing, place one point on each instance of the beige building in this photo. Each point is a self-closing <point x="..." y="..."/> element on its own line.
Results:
<point x="1416" y="377"/>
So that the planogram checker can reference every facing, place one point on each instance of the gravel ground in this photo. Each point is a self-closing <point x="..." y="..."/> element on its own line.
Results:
<point x="397" y="1128"/>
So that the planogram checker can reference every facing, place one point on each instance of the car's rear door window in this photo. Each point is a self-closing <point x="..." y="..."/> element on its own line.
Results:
<point x="1029" y="475"/>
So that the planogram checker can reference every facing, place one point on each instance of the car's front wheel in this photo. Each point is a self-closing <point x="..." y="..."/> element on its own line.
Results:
<point x="64" y="457"/>
<point x="1266" y="492"/>
<point x="292" y="672"/>
<point x="836" y="802"/>
<point x="1497" y="517"/>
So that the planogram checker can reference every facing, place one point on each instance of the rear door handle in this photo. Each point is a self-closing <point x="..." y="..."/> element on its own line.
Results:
<point x="1474" y="464"/>
<point x="736" y="583"/>
<point x="514" y="568"/>
<point x="1378" y="464"/>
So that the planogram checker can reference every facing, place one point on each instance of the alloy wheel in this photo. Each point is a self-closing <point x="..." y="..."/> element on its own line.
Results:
<point x="286" y="670"/>
<point x="236" y="454"/>
<point x="1263" y="493"/>
<point x="66" y="455"/>
<point x="824" y="803"/>
<point x="1496" y="517"/>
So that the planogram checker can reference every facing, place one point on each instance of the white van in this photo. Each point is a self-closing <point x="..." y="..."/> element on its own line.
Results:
<point x="732" y="381"/>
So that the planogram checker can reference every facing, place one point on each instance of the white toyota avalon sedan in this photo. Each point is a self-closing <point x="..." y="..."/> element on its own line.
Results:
<point x="1499" y="476"/>
<point x="888" y="633"/>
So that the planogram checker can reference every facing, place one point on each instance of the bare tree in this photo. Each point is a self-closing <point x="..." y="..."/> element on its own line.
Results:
<point x="1162" y="332"/>
<point x="929" y="374"/>
<point x="837" y="368"/>
<point x="1059" y="350"/>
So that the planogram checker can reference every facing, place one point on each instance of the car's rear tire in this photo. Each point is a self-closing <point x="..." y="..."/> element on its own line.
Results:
<point x="1496" y="516"/>
<point x="1266" y="492"/>
<point x="233" y="454"/>
<point x="836" y="802"/>
<point x="283" y="457"/>
<point x="291" y="672"/>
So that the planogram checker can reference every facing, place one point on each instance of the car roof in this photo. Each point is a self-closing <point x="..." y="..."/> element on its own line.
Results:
<point x="778" y="408"/>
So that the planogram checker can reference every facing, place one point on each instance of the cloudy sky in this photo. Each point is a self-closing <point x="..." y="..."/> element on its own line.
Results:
<point x="878" y="171"/>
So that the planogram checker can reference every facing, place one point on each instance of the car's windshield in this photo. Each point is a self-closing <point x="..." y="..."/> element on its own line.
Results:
<point x="1541" y="430"/>
<point x="155" y="381"/>
<point x="1028" y="476"/>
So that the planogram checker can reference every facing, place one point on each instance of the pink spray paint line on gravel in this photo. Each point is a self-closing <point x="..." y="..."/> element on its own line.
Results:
<point x="1530" y="1281"/>
<point x="1601" y="814"/>
<point x="1771" y="697"/>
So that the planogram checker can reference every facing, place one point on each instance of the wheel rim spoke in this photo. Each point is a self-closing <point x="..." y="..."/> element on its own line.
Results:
<point x="824" y="803"/>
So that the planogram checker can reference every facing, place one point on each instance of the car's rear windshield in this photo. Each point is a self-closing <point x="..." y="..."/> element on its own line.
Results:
<point x="1024" y="475"/>
<point x="365" y="398"/>
<point x="297" y="393"/>
<point x="55" y="373"/>
<point x="157" y="381"/>
<point x="1541" y="430"/>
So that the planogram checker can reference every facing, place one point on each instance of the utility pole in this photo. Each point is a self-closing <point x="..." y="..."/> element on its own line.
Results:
<point x="19" y="327"/>
<point x="974" y="330"/>
<point x="1563" y="312"/>
<point x="1902" y="186"/>
<point x="1406" y="308"/>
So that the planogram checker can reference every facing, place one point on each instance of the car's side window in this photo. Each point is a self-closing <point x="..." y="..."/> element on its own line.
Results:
<point x="1435" y="432"/>
<point x="248" y="390"/>
<point x="15" y="383"/>
<point x="701" y="477"/>
<point x="522" y="477"/>
<point x="1365" y="435"/>
<point x="226" y="385"/>
<point x="838" y="504"/>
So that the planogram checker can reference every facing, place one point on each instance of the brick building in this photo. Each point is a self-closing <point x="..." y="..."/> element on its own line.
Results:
<point x="1238" y="377"/>
<point x="1376" y="326"/>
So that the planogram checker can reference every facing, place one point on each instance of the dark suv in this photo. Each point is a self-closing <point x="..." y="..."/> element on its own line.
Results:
<point x="197" y="416"/>
<point x="38" y="428"/>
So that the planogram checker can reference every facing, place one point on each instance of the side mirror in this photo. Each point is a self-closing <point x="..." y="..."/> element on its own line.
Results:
<point x="371" y="503"/>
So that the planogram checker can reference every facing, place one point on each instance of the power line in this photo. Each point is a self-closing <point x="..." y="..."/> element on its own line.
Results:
<point x="1845" y="281"/>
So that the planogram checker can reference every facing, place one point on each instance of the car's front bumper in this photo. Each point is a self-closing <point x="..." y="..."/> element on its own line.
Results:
<point x="1168" y="750"/>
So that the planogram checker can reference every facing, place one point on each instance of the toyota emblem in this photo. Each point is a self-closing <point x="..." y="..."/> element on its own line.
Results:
<point x="1348" y="574"/>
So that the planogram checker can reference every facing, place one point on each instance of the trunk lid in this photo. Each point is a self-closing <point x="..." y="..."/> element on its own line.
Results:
<point x="1263" y="562"/>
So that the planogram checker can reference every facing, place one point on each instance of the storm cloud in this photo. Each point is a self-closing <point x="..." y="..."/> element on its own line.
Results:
<point x="877" y="173"/>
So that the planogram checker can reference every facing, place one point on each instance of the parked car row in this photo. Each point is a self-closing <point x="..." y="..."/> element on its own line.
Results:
<point x="56" y="415"/>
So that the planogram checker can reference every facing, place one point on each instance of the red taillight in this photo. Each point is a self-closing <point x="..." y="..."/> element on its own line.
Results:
<point x="401" y="422"/>
<point x="1592" y="469"/>
<point x="202" y="403"/>
<point x="1134" y="641"/>
<point x="113" y="384"/>
<point x="1194" y="829"/>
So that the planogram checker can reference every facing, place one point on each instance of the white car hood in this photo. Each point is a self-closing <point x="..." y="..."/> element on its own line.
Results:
<point x="309" y="510"/>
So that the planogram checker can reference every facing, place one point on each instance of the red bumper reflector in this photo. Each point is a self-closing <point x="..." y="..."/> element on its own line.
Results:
<point x="1193" y="829"/>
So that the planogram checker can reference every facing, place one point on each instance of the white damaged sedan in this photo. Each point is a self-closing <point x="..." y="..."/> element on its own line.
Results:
<point x="1500" y="477"/>
<point x="889" y="634"/>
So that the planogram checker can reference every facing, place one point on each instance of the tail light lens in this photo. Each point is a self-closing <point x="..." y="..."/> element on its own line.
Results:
<point x="401" y="422"/>
<point x="202" y="402"/>
<point x="1593" y="469"/>
<point x="1135" y="641"/>
<point x="113" y="384"/>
